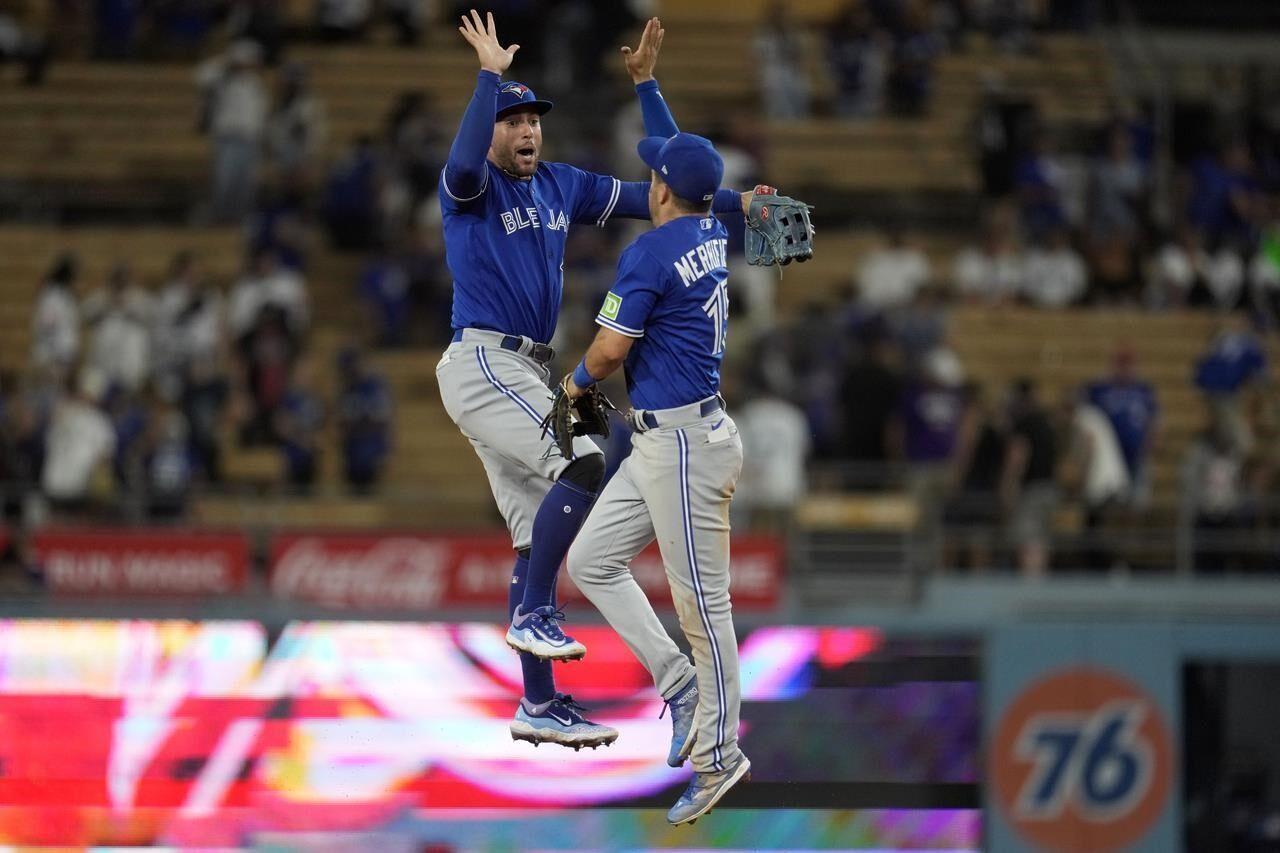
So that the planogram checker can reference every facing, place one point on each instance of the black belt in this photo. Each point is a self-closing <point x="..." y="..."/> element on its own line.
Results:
<point x="707" y="407"/>
<point x="541" y="353"/>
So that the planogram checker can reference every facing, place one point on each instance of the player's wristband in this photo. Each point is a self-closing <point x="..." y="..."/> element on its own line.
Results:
<point x="581" y="377"/>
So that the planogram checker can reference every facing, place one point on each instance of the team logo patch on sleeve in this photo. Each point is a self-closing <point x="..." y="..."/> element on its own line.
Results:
<point x="612" y="304"/>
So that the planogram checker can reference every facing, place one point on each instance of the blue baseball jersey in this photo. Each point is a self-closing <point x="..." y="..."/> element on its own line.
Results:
<point x="672" y="293"/>
<point x="505" y="244"/>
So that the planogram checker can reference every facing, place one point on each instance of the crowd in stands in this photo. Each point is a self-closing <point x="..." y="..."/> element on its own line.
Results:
<point x="867" y="394"/>
<point x="133" y="392"/>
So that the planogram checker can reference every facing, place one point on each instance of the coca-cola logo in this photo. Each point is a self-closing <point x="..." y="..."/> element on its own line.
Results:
<point x="397" y="572"/>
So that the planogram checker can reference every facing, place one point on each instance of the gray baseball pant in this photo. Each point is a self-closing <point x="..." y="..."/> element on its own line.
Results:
<point x="676" y="486"/>
<point x="498" y="398"/>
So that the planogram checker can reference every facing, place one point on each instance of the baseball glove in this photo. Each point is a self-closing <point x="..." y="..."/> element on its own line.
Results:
<point x="778" y="229"/>
<point x="587" y="415"/>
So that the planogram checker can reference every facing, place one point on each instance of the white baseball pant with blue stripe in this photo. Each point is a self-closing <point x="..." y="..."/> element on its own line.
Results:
<point x="498" y="398"/>
<point x="676" y="486"/>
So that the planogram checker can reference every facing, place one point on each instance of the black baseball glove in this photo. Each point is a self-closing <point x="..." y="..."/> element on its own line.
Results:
<point x="778" y="229"/>
<point x="587" y="415"/>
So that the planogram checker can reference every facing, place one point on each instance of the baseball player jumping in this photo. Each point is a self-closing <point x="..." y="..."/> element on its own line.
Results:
<point x="666" y="319"/>
<point x="506" y="217"/>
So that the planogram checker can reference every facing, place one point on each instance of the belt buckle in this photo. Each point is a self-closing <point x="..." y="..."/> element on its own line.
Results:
<point x="543" y="353"/>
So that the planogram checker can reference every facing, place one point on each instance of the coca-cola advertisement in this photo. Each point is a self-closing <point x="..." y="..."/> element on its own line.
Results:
<point x="142" y="561"/>
<point x="421" y="572"/>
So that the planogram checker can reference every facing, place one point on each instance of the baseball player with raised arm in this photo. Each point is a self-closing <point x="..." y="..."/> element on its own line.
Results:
<point x="506" y="217"/>
<point x="665" y="319"/>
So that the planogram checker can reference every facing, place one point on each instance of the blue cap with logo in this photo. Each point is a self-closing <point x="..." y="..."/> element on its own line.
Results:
<point x="688" y="163"/>
<point x="513" y="95"/>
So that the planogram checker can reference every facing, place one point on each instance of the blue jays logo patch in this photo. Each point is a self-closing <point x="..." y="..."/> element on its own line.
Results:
<point x="518" y="88"/>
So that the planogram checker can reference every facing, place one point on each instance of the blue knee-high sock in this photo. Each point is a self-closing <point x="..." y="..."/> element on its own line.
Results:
<point x="561" y="514"/>
<point x="539" y="683"/>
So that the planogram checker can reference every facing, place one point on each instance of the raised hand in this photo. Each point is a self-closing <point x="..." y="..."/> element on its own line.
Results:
<point x="483" y="36"/>
<point x="640" y="62"/>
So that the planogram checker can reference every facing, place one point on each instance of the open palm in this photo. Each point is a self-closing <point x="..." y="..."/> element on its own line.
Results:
<point x="483" y="36"/>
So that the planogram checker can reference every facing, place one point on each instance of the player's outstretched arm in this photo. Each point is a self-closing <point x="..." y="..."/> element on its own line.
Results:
<point x="640" y="63"/>
<point x="465" y="173"/>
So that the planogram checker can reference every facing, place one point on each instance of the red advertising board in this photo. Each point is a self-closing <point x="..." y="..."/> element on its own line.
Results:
<point x="415" y="572"/>
<point x="143" y="561"/>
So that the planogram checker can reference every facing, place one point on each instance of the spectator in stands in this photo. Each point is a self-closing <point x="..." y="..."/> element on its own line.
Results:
<point x="998" y="127"/>
<point x="1098" y="472"/>
<point x="267" y="354"/>
<point x="1234" y="361"/>
<point x="352" y="205"/>
<point x="775" y="438"/>
<point x="781" y="59"/>
<point x="857" y="52"/>
<point x="364" y="420"/>
<point x="1184" y="273"/>
<point x="1055" y="276"/>
<point x="120" y="337"/>
<point x="203" y="370"/>
<point x="1130" y="404"/>
<point x="992" y="273"/>
<point x="921" y="326"/>
<point x="1264" y="274"/>
<point x="915" y="52"/>
<point x="296" y="129"/>
<point x="342" y="20"/>
<point x="267" y="284"/>
<point x="55" y="326"/>
<point x="1039" y="179"/>
<point x="120" y="290"/>
<point x="80" y="443"/>
<point x="22" y="452"/>
<point x="20" y="45"/>
<point x="1118" y="190"/>
<point x="870" y="392"/>
<point x="283" y="223"/>
<point x="891" y="275"/>
<point x="299" y="422"/>
<point x="409" y="17"/>
<point x="927" y="425"/>
<point x="1028" y="485"/>
<point x="1226" y="200"/>
<point x="1213" y="502"/>
<point x="235" y="116"/>
<point x="385" y="290"/>
<point x="1172" y="271"/>
<point x="416" y="144"/>
<point x="168" y="342"/>
<point x="973" y="514"/>
<point x="167" y="464"/>
<point x="130" y="419"/>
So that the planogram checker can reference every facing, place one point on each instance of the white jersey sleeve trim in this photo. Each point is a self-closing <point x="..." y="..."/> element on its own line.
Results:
<point x="444" y="182"/>
<point x="613" y="201"/>
<point x="619" y="328"/>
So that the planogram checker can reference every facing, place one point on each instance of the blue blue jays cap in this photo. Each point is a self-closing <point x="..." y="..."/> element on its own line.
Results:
<point x="513" y="95"/>
<point x="689" y="164"/>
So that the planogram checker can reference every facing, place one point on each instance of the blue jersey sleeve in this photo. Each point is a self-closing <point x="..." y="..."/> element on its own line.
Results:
<point x="658" y="120"/>
<point x="466" y="175"/>
<point x="640" y="282"/>
<point x="597" y="198"/>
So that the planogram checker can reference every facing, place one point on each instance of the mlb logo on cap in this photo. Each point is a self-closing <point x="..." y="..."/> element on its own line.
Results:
<point x="513" y="96"/>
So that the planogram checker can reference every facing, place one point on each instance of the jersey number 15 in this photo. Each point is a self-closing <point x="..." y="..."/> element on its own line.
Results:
<point x="717" y="308"/>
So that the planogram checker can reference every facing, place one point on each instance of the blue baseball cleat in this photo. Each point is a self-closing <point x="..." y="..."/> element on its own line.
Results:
<point x="539" y="634"/>
<point x="684" y="707"/>
<point x="705" y="790"/>
<point x="559" y="721"/>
